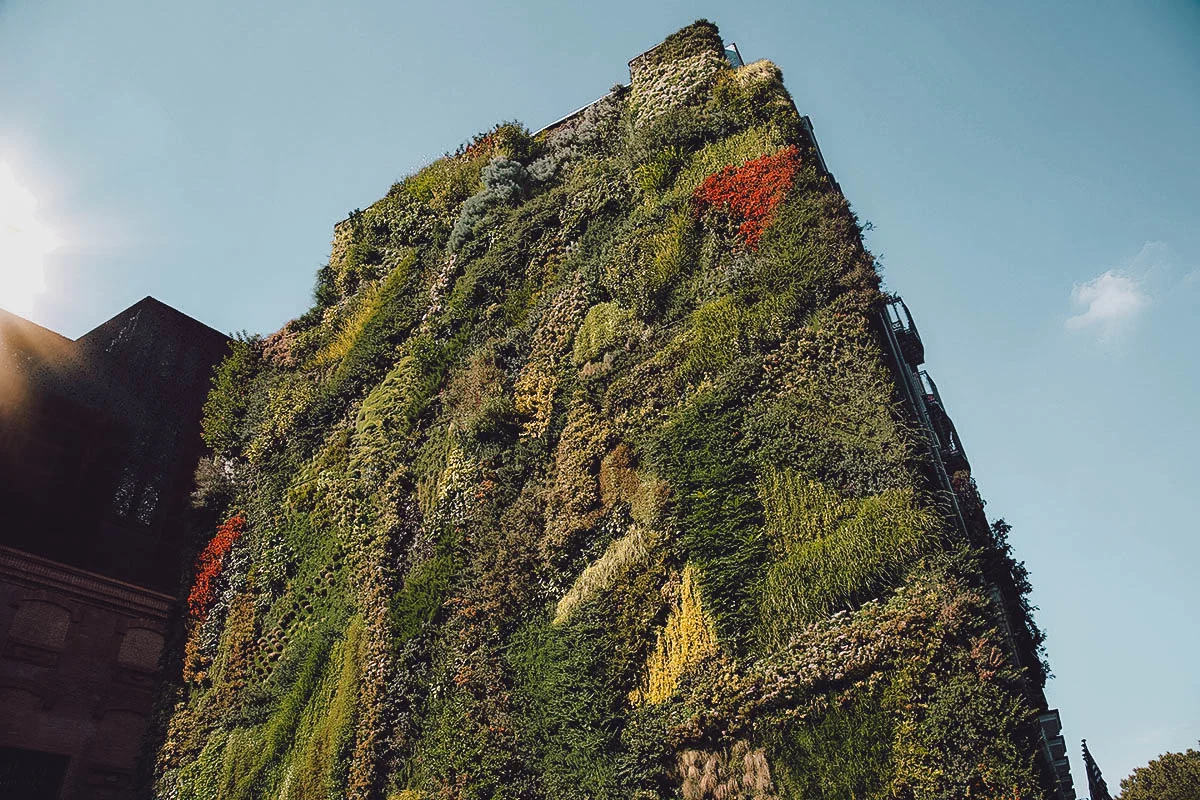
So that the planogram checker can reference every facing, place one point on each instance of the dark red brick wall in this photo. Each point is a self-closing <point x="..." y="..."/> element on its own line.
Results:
<point x="79" y="661"/>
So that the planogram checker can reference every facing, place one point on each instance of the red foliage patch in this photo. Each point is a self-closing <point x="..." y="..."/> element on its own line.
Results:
<point x="208" y="566"/>
<point x="750" y="193"/>
<point x="483" y="143"/>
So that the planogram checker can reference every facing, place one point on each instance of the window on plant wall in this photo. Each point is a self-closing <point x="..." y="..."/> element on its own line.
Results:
<point x="147" y="503"/>
<point x="126" y="492"/>
<point x="136" y="498"/>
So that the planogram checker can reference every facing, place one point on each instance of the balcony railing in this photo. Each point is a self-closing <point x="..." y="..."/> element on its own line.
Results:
<point x="943" y="427"/>
<point x="905" y="329"/>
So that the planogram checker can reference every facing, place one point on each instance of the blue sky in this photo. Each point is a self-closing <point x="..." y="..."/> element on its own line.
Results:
<point x="1030" y="168"/>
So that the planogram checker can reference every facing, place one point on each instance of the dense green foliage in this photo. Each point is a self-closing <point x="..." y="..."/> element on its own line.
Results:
<point x="1171" y="776"/>
<point x="567" y="488"/>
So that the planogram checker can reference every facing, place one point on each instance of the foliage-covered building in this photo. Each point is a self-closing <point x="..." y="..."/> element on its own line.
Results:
<point x="98" y="442"/>
<point x="603" y="468"/>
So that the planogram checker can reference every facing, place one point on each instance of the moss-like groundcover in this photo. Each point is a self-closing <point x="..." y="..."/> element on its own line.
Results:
<point x="585" y="477"/>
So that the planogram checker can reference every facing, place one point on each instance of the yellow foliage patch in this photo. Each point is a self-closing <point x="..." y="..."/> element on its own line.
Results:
<point x="688" y="638"/>
<point x="366" y="304"/>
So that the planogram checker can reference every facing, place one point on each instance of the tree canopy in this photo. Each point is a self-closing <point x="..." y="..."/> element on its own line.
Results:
<point x="1171" y="776"/>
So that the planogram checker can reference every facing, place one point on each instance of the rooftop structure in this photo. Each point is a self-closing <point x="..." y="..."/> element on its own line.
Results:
<point x="99" y="437"/>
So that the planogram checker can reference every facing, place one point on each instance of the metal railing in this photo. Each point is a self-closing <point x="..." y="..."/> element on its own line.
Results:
<point x="906" y="332"/>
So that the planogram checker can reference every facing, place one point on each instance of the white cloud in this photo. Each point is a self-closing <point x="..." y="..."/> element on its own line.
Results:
<point x="1108" y="302"/>
<point x="1152" y="258"/>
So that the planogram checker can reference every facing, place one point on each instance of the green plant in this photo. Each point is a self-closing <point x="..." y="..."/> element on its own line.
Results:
<point x="604" y="325"/>
<point x="830" y="408"/>
<point x="321" y="765"/>
<point x="845" y="752"/>
<point x="228" y="404"/>
<point x="566" y="705"/>
<point x="833" y="552"/>
<point x="700" y="451"/>
<point x="1171" y="776"/>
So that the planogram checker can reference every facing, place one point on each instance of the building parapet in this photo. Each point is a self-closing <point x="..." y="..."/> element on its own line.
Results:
<point x="25" y="569"/>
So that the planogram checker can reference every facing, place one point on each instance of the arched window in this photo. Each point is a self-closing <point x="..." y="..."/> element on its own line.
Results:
<point x="136" y="495"/>
<point x="40" y="624"/>
<point x="140" y="649"/>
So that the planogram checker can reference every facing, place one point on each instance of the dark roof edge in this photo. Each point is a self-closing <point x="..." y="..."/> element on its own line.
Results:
<point x="154" y="302"/>
<point x="177" y="312"/>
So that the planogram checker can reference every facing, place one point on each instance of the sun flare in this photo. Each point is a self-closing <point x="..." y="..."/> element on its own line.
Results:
<point x="25" y="242"/>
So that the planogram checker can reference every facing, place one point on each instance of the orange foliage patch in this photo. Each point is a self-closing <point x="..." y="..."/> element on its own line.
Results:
<point x="208" y="566"/>
<point x="750" y="193"/>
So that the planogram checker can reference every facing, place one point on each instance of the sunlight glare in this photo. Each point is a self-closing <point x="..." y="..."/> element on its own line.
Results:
<point x="24" y="244"/>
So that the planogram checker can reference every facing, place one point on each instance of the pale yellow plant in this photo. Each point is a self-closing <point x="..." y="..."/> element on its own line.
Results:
<point x="621" y="556"/>
<point x="732" y="151"/>
<point x="688" y="638"/>
<point x="651" y="497"/>
<point x="406" y="794"/>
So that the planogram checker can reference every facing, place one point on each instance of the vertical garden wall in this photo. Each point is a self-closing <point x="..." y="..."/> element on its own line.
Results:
<point x="585" y="477"/>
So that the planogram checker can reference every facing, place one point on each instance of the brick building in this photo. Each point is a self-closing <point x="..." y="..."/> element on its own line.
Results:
<point x="98" y="440"/>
